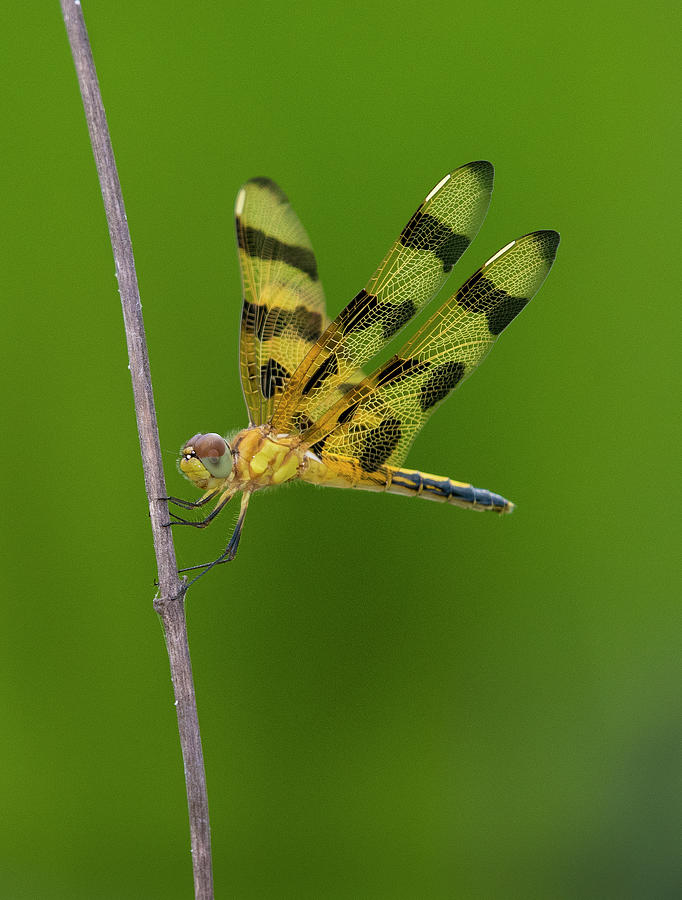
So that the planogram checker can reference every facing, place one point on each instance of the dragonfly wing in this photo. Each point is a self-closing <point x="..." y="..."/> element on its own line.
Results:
<point x="283" y="312"/>
<point x="411" y="273"/>
<point x="378" y="420"/>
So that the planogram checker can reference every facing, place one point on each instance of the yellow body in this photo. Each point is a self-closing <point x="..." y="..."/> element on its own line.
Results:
<point x="260" y="458"/>
<point x="263" y="458"/>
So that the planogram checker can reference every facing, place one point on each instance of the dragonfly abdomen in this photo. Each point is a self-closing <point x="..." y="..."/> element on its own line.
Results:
<point x="436" y="487"/>
<point x="336" y="471"/>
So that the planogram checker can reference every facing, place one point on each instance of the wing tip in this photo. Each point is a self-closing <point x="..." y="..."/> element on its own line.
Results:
<point x="481" y="169"/>
<point x="545" y="241"/>
<point x="484" y="170"/>
<point x="548" y="241"/>
<point x="262" y="181"/>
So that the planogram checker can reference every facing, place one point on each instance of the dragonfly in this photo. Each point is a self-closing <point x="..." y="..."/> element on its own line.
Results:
<point x="314" y="415"/>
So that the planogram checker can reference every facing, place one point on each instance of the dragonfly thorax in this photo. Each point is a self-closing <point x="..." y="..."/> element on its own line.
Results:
<point x="263" y="458"/>
<point x="257" y="457"/>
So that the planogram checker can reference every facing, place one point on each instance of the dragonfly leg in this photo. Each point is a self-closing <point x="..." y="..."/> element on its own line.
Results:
<point x="178" y="520"/>
<point x="230" y="551"/>
<point x="192" y="504"/>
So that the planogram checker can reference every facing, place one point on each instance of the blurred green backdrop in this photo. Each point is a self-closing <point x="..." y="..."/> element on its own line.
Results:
<point x="398" y="699"/>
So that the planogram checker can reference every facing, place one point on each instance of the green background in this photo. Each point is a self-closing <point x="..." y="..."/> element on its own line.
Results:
<point x="397" y="699"/>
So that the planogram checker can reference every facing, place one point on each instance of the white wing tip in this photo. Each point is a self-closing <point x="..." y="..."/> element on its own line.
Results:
<point x="239" y="202"/>
<point x="438" y="187"/>
<point x="500" y="252"/>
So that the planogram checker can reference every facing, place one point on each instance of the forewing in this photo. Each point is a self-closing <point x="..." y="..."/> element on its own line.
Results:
<point x="413" y="271"/>
<point x="283" y="311"/>
<point x="377" y="421"/>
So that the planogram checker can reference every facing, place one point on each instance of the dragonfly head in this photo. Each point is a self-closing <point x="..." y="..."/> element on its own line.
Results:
<point x="205" y="458"/>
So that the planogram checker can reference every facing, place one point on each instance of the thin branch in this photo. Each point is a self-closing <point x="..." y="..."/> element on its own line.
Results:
<point x="170" y="603"/>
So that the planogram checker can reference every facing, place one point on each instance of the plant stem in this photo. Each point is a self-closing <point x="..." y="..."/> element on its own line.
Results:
<point x="170" y="602"/>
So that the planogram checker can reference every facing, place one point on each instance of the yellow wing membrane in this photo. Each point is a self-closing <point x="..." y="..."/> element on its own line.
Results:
<point x="377" y="421"/>
<point x="314" y="416"/>
<point x="283" y="312"/>
<point x="413" y="271"/>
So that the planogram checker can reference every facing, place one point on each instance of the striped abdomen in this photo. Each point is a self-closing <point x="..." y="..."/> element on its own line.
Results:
<point x="436" y="487"/>
<point x="337" y="471"/>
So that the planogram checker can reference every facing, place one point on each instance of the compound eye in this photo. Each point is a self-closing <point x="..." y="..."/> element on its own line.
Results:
<point x="210" y="446"/>
<point x="191" y="443"/>
<point x="214" y="453"/>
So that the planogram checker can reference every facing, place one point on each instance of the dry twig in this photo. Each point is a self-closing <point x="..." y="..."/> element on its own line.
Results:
<point x="170" y="602"/>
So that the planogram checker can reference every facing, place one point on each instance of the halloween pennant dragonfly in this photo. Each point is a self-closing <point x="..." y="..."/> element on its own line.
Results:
<point x="313" y="414"/>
